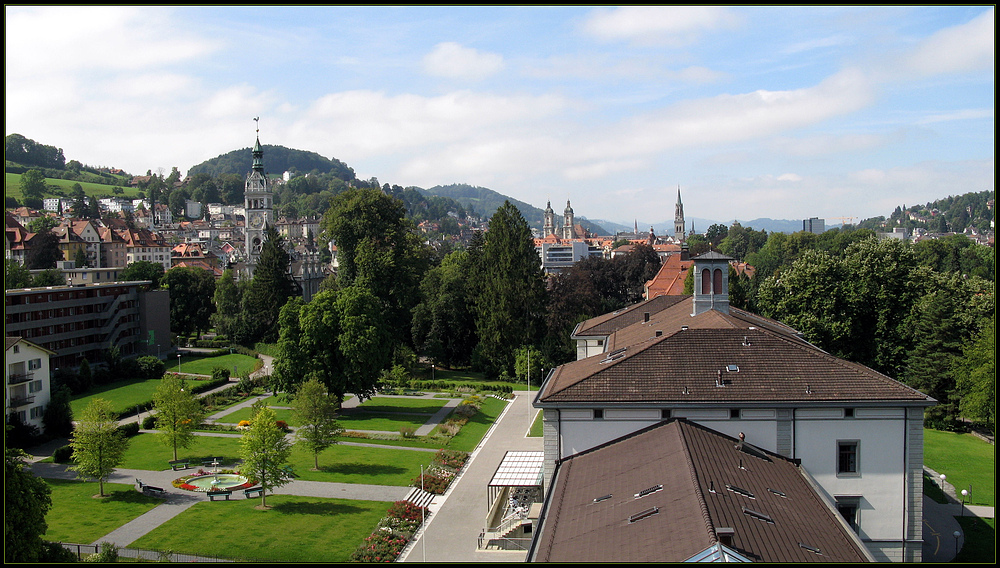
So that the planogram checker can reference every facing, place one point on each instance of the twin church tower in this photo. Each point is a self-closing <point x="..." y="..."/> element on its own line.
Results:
<point x="568" y="229"/>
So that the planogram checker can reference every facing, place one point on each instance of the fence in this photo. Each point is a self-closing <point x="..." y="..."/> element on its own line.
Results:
<point x="148" y="555"/>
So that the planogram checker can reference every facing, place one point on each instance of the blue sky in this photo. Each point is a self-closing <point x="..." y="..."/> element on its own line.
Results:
<point x="781" y="112"/>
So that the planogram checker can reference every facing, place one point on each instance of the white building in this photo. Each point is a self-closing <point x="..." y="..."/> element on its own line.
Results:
<point x="857" y="432"/>
<point x="26" y="374"/>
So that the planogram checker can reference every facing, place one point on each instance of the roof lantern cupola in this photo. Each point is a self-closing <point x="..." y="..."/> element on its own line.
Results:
<point x="711" y="282"/>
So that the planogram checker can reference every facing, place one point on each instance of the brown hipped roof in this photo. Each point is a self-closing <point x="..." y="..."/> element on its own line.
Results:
<point x="662" y="494"/>
<point x="745" y="365"/>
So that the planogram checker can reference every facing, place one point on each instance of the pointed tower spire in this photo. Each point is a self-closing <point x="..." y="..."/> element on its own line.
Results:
<point x="679" y="218"/>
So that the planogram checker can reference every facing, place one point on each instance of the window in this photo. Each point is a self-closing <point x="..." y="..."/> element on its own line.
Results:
<point x="598" y="414"/>
<point x="35" y="386"/>
<point x="37" y="412"/>
<point x="849" y="508"/>
<point x="847" y="458"/>
<point x="34" y="364"/>
<point x="17" y="349"/>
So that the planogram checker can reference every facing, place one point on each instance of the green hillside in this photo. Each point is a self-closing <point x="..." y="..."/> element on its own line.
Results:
<point x="277" y="159"/>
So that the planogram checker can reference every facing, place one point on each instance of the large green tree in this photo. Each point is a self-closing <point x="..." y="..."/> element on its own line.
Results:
<point x="443" y="325"/>
<point x="43" y="250"/>
<point x="143" y="270"/>
<point x="15" y="275"/>
<point x="98" y="445"/>
<point x="265" y="451"/>
<point x="191" y="291"/>
<point x="227" y="304"/>
<point x="269" y="289"/>
<point x="27" y="499"/>
<point x="33" y="184"/>
<point x="976" y="377"/>
<point x="377" y="248"/>
<point x="509" y="303"/>
<point x="178" y="412"/>
<point x="316" y="412"/>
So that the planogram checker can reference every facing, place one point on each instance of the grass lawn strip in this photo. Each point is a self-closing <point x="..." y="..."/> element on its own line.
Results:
<point x="399" y="404"/>
<point x="964" y="459"/>
<point x="76" y="516"/>
<point x="196" y="365"/>
<point x="295" y="529"/>
<point x="380" y="422"/>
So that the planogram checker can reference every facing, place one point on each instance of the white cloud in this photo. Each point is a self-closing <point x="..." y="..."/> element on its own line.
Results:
<point x="452" y="60"/>
<point x="789" y="177"/>
<point x="964" y="114"/>
<point x="959" y="48"/>
<point x="667" y="25"/>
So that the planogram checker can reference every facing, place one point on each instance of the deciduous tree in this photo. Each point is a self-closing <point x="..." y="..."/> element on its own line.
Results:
<point x="317" y="415"/>
<point x="191" y="292"/>
<point x="178" y="412"/>
<point x="265" y="451"/>
<point x="98" y="445"/>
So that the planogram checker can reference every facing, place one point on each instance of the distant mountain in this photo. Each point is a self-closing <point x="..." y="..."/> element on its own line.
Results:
<point x="485" y="202"/>
<point x="277" y="160"/>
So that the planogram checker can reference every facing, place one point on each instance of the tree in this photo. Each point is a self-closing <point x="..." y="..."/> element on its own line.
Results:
<point x="15" y="275"/>
<point x="377" y="248"/>
<point x="143" y="270"/>
<point x="338" y="338"/>
<point x="27" y="499"/>
<point x="178" y="412"/>
<point x="43" y="223"/>
<point x="443" y="326"/>
<point x="43" y="251"/>
<point x="976" y="379"/>
<point x="58" y="417"/>
<point x="316" y="412"/>
<point x="98" y="445"/>
<point x="33" y="184"/>
<point x="265" y="451"/>
<point x="509" y="303"/>
<point x="528" y="363"/>
<point x="227" y="304"/>
<point x="268" y="291"/>
<point x="191" y="291"/>
<point x="48" y="277"/>
<point x="80" y="258"/>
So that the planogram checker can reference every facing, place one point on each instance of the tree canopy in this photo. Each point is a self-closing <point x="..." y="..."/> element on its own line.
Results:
<point x="98" y="445"/>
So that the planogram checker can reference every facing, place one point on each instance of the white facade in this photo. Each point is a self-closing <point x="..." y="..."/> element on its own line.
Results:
<point x="26" y="374"/>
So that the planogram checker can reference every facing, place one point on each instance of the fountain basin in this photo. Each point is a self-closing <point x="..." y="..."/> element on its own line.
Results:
<point x="223" y="481"/>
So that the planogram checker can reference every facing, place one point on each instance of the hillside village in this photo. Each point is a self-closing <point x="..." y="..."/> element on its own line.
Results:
<point x="793" y="453"/>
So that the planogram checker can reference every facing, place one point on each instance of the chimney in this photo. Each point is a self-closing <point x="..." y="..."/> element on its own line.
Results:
<point x="711" y="283"/>
<point x="659" y="333"/>
<point x="645" y="317"/>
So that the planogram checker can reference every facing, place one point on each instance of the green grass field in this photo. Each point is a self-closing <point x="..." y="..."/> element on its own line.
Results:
<point x="12" y="187"/>
<point x="965" y="460"/>
<point x="76" y="516"/>
<point x="205" y="365"/>
<point x="295" y="529"/>
<point x="396" y="404"/>
<point x="121" y="394"/>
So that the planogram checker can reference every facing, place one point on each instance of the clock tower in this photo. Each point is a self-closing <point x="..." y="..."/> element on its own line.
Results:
<point x="257" y="202"/>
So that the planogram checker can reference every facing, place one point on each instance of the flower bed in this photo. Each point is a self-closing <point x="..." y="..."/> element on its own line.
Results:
<point x="391" y="534"/>
<point x="443" y="469"/>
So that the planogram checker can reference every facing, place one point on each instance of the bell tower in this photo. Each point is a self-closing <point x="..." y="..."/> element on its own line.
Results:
<point x="548" y="221"/>
<point x="567" y="221"/>
<point x="258" y="201"/>
<point x="679" y="218"/>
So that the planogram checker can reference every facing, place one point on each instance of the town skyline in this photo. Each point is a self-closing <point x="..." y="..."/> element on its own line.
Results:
<point x="827" y="112"/>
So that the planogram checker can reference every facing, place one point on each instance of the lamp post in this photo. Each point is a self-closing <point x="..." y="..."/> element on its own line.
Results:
<point x="942" y="482"/>
<point x="179" y="365"/>
<point x="432" y="371"/>
<point x="965" y="493"/>
<point x="956" y="534"/>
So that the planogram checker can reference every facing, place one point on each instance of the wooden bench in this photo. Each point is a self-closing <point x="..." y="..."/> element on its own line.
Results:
<point x="288" y="469"/>
<point x="213" y="494"/>
<point x="179" y="464"/>
<point x="150" y="489"/>
<point x="257" y="492"/>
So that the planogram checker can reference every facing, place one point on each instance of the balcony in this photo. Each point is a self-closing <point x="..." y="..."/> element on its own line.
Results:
<point x="19" y="401"/>
<point x="18" y="378"/>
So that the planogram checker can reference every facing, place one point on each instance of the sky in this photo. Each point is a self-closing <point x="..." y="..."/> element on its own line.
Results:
<point x="780" y="112"/>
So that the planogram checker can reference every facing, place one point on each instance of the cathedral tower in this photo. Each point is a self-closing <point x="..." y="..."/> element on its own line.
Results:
<point x="548" y="221"/>
<point x="568" y="222"/>
<point x="679" y="218"/>
<point x="258" y="201"/>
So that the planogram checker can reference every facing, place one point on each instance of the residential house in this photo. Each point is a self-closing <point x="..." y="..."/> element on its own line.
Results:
<point x="114" y="251"/>
<point x="27" y="376"/>
<point x="856" y="432"/>
<point x="143" y="244"/>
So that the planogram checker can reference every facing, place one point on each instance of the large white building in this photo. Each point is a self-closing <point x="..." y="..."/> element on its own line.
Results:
<point x="858" y="433"/>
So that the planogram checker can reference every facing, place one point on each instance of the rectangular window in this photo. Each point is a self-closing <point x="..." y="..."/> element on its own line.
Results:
<point x="848" y="458"/>
<point x="34" y="364"/>
<point x="598" y="414"/>
<point x="37" y="412"/>
<point x="850" y="508"/>
<point x="35" y="386"/>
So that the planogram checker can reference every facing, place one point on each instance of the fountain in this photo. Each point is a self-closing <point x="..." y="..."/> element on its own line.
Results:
<point x="218" y="481"/>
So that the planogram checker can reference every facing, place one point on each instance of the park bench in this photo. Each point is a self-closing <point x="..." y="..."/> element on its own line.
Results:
<point x="179" y="464"/>
<point x="149" y="489"/>
<point x="288" y="469"/>
<point x="213" y="494"/>
<point x="257" y="491"/>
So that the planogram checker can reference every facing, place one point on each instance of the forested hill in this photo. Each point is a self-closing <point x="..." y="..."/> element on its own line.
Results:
<point x="277" y="160"/>
<point x="485" y="202"/>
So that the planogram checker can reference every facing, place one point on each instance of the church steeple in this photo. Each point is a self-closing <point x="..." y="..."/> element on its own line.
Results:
<point x="549" y="220"/>
<point x="568" y="221"/>
<point x="258" y="202"/>
<point x="679" y="217"/>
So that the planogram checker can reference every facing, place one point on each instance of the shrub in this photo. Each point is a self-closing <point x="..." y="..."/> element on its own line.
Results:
<point x="220" y="374"/>
<point x="281" y="424"/>
<point x="407" y="431"/>
<point x="435" y="482"/>
<point x="131" y="429"/>
<point x="454" y="459"/>
<point x="63" y="454"/>
<point x="149" y="422"/>
<point x="407" y="511"/>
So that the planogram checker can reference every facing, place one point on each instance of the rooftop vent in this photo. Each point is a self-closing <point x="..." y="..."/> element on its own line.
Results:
<point x="659" y="333"/>
<point x="648" y="491"/>
<point x="642" y="515"/>
<point x="684" y="328"/>
<point x="812" y="549"/>
<point x="778" y="493"/>
<point x="740" y="491"/>
<point x="725" y="536"/>
<point x="645" y="317"/>
<point x="746" y="341"/>
<point x="602" y="498"/>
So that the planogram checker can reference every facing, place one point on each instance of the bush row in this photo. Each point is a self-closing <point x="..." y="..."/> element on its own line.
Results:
<point x="391" y="534"/>
<point x="449" y="385"/>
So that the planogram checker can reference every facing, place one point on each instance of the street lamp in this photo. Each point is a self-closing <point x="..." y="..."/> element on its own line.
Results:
<point x="179" y="371"/>
<point x="432" y="371"/>
<point x="942" y="482"/>
<point x="956" y="534"/>
<point x="965" y="493"/>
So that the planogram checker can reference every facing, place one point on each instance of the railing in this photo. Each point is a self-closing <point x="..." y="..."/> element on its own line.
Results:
<point x="18" y="378"/>
<point x="18" y="401"/>
<point x="503" y="543"/>
<point x="148" y="555"/>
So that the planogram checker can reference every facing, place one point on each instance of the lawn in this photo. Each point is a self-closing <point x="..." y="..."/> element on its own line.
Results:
<point x="371" y="421"/>
<point x="462" y="376"/>
<point x="400" y="404"/>
<point x="281" y="413"/>
<point x="340" y="463"/>
<point x="296" y="529"/>
<point x="12" y="187"/>
<point x="965" y="460"/>
<point x="189" y="364"/>
<point x="472" y="433"/>
<point x="121" y="394"/>
<point x="76" y="516"/>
